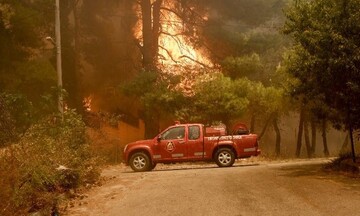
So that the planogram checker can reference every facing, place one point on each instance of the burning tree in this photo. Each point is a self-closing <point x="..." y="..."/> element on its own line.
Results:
<point x="165" y="35"/>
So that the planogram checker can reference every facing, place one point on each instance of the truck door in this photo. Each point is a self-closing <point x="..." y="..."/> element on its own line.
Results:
<point x="195" y="143"/>
<point x="172" y="145"/>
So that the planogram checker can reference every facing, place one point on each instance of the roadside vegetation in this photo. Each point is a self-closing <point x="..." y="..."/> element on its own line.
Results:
<point x="44" y="161"/>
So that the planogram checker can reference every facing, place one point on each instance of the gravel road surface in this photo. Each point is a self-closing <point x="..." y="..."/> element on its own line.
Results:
<point x="249" y="188"/>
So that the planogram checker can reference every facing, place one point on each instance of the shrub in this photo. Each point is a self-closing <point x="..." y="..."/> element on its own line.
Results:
<point x="15" y="117"/>
<point x="51" y="158"/>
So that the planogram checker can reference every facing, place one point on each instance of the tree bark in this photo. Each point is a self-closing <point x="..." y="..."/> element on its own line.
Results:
<point x="323" y="129"/>
<point x="77" y="57"/>
<point x="352" y="144"/>
<point x="352" y="141"/>
<point x="313" y="137"/>
<point x="300" y="132"/>
<point x="252" y="123"/>
<point x="151" y="125"/>
<point x="278" y="136"/>
<point x="307" y="137"/>
<point x="150" y="31"/>
<point x="148" y="58"/>
<point x="156" y="28"/>
<point x="264" y="128"/>
<point x="345" y="144"/>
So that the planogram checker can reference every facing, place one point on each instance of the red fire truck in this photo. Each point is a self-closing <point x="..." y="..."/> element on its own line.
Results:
<point x="192" y="142"/>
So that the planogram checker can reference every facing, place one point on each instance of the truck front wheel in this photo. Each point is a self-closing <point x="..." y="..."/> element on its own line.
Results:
<point x="139" y="162"/>
<point x="224" y="157"/>
<point x="152" y="166"/>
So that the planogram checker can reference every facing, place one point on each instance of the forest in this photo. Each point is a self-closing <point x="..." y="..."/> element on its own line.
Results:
<point x="214" y="62"/>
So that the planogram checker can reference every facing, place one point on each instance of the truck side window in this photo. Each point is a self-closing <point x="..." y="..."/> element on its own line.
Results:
<point x="174" y="133"/>
<point x="194" y="132"/>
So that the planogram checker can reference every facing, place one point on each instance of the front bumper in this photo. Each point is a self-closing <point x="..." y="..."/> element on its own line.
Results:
<point x="258" y="152"/>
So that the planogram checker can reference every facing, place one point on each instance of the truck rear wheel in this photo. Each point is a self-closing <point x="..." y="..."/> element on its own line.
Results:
<point x="139" y="162"/>
<point x="224" y="157"/>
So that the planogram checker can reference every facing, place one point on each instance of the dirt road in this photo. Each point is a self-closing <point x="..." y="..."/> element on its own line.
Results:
<point x="281" y="188"/>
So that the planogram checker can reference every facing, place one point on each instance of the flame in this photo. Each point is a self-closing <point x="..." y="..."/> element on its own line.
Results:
<point x="174" y="49"/>
<point x="176" y="54"/>
<point x="87" y="103"/>
<point x="173" y="45"/>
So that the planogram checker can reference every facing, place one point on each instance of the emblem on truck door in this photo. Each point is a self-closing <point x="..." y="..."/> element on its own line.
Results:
<point x="170" y="147"/>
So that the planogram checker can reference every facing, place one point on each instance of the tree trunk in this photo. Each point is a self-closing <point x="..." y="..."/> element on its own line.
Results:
<point x="252" y="123"/>
<point x="150" y="31"/>
<point x="352" y="142"/>
<point x="278" y="136"/>
<point x="307" y="137"/>
<point x="147" y="54"/>
<point x="264" y="128"/>
<point x="345" y="144"/>
<point x="151" y="125"/>
<point x="313" y="137"/>
<point x="77" y="58"/>
<point x="300" y="132"/>
<point x="323" y="129"/>
<point x="156" y="28"/>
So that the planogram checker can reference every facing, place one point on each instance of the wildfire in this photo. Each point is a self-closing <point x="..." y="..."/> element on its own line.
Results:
<point x="87" y="103"/>
<point x="174" y="49"/>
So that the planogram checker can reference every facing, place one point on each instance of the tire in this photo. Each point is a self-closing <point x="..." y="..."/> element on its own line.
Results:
<point x="139" y="162"/>
<point x="152" y="166"/>
<point x="224" y="157"/>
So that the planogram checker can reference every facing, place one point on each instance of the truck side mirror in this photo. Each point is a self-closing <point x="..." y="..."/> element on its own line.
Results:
<point x="158" y="138"/>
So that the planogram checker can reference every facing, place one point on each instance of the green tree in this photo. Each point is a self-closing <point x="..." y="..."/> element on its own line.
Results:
<point x="317" y="112"/>
<point x="219" y="99"/>
<point x="266" y="104"/>
<point x="16" y="115"/>
<point x="325" y="56"/>
<point x="159" y="97"/>
<point x="246" y="66"/>
<point x="22" y="65"/>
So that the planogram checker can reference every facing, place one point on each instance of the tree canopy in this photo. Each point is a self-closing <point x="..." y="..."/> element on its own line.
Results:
<point x="325" y="56"/>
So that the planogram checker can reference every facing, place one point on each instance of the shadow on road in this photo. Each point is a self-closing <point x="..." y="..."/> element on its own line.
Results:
<point x="317" y="171"/>
<point x="304" y="170"/>
<point x="195" y="167"/>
